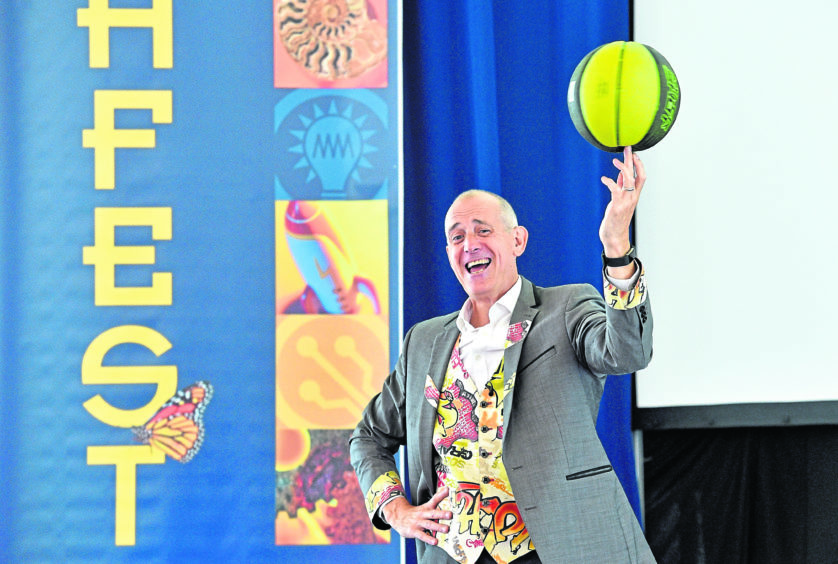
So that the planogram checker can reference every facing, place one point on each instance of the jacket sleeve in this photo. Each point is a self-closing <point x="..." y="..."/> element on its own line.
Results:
<point x="612" y="336"/>
<point x="377" y="438"/>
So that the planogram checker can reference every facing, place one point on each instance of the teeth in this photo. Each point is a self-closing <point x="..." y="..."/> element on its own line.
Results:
<point x="472" y="264"/>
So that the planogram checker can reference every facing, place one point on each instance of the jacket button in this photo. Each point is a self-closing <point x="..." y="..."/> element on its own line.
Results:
<point x="484" y="428"/>
<point x="486" y="479"/>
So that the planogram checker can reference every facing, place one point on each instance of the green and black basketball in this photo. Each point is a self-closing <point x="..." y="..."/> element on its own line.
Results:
<point x="623" y="93"/>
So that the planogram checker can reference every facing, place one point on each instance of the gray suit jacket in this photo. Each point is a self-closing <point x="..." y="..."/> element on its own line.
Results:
<point x="570" y="498"/>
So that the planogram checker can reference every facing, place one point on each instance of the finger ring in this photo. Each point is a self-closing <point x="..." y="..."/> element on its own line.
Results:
<point x="628" y="189"/>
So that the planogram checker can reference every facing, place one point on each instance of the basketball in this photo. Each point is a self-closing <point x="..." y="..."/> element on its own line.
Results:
<point x="623" y="93"/>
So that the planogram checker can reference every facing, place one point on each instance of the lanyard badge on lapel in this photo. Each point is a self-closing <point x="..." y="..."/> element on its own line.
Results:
<point x="514" y="335"/>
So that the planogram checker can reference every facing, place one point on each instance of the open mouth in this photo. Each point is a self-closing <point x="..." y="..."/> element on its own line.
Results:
<point x="478" y="266"/>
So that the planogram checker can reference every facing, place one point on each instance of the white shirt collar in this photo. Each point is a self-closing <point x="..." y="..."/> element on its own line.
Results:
<point x="501" y="310"/>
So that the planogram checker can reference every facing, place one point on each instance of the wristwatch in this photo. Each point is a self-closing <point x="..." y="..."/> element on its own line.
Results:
<point x="624" y="260"/>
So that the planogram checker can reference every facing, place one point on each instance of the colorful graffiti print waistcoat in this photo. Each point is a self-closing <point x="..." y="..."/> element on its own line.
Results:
<point x="468" y="437"/>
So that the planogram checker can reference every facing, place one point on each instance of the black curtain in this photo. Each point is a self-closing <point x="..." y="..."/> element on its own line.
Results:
<point x="755" y="495"/>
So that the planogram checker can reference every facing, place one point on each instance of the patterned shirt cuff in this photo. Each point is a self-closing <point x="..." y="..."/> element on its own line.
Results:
<point x="386" y="487"/>
<point x="626" y="299"/>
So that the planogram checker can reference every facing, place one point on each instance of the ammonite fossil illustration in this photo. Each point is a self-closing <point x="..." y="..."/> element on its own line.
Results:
<point x="332" y="39"/>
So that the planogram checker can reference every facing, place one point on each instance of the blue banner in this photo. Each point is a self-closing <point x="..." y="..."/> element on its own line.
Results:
<point x="199" y="276"/>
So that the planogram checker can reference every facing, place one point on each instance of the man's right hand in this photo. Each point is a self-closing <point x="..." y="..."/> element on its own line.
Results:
<point x="418" y="521"/>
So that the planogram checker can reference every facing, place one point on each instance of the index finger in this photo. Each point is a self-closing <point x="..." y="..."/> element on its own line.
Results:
<point x="627" y="158"/>
<point x="433" y="506"/>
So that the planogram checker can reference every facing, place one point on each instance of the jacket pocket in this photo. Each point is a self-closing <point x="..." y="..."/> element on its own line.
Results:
<point x="589" y="472"/>
<point x="527" y="362"/>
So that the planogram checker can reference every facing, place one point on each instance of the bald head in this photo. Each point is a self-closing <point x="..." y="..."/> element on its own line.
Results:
<point x="507" y="214"/>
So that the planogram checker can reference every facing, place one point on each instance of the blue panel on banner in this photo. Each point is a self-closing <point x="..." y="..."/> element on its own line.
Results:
<point x="185" y="219"/>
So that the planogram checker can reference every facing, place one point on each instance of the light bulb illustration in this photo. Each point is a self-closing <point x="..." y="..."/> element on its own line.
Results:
<point x="333" y="145"/>
<point x="333" y="139"/>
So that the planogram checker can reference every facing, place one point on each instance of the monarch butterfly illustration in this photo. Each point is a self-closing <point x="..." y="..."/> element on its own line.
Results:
<point x="178" y="428"/>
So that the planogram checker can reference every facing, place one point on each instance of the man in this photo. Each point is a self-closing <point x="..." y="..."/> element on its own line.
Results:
<point x="497" y="404"/>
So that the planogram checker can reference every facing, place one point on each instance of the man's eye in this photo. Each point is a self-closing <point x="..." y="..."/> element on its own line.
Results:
<point x="456" y="238"/>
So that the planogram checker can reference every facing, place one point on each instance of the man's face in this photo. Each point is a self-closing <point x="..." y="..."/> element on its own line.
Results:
<point x="481" y="249"/>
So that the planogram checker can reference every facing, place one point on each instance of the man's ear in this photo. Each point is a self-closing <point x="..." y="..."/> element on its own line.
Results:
<point x="521" y="235"/>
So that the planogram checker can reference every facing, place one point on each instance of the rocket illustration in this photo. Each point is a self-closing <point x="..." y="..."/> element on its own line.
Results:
<point x="324" y="262"/>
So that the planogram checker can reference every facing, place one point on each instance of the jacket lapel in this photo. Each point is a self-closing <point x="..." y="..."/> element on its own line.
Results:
<point x="519" y="325"/>
<point x="440" y="356"/>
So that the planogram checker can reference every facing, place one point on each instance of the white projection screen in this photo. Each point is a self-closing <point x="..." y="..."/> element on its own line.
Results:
<point x="738" y="223"/>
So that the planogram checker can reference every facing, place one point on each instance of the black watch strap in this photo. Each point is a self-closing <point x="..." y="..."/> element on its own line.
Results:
<point x="619" y="261"/>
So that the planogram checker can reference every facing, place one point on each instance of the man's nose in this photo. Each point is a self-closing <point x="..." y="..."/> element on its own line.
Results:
<point x="470" y="243"/>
